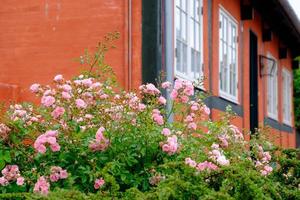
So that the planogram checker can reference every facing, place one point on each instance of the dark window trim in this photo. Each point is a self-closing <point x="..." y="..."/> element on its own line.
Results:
<point x="277" y="125"/>
<point x="221" y="104"/>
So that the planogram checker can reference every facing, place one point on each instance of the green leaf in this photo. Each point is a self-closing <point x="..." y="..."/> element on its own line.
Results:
<point x="6" y="156"/>
<point x="2" y="163"/>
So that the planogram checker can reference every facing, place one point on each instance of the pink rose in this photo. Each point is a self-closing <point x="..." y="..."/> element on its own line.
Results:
<point x="166" y="132"/>
<point x="166" y="85"/>
<point x="58" y="78"/>
<point x="205" y="109"/>
<point x="54" y="177"/>
<point x="162" y="100"/>
<point x="80" y="103"/>
<point x="63" y="174"/>
<point x="178" y="84"/>
<point x="166" y="148"/>
<point x="35" y="87"/>
<point x="174" y="94"/>
<point x="192" y="126"/>
<point x="66" y="88"/>
<point x="99" y="183"/>
<point x="41" y="186"/>
<point x="3" y="181"/>
<point x="66" y="95"/>
<point x="55" y="147"/>
<point x="57" y="112"/>
<point x="48" y="101"/>
<point x="41" y="149"/>
<point x="87" y="82"/>
<point x="99" y="134"/>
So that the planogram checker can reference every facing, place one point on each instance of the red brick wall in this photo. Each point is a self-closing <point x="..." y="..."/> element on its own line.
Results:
<point x="39" y="39"/>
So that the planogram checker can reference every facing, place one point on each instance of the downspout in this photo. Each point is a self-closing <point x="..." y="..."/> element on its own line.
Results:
<point x="210" y="58"/>
<point x="169" y="47"/>
<point x="129" y="45"/>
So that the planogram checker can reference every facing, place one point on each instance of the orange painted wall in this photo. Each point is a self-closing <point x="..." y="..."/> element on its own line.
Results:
<point x="40" y="39"/>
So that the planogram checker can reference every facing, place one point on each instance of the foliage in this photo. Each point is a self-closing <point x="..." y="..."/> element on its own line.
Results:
<point x="296" y="87"/>
<point x="89" y="139"/>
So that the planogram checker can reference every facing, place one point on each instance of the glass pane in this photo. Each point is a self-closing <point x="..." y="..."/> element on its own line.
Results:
<point x="184" y="58"/>
<point x="183" y="5"/>
<point x="197" y="39"/>
<point x="183" y="26"/>
<point x="192" y="33"/>
<point x="178" y="3"/>
<point x="197" y="10"/>
<point x="178" y="56"/>
<point x="177" y="24"/>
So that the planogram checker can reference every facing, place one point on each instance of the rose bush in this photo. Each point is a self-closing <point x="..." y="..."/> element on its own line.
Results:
<point x="88" y="139"/>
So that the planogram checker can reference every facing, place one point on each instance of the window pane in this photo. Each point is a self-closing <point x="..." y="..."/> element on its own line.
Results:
<point x="178" y="56"/>
<point x="184" y="58"/>
<point x="183" y="26"/>
<point x="183" y="5"/>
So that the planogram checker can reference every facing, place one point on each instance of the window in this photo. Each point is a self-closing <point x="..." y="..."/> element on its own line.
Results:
<point x="188" y="36"/>
<point x="228" y="67"/>
<point x="286" y="96"/>
<point x="272" y="88"/>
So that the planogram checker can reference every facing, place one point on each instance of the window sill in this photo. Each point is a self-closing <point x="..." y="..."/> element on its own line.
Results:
<point x="228" y="97"/>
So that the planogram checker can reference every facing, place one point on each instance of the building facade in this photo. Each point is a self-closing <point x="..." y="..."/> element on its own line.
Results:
<point x="243" y="49"/>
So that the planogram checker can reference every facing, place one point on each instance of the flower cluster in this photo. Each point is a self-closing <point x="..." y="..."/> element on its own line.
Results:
<point x="99" y="183"/>
<point x="216" y="154"/>
<point x="42" y="186"/>
<point x="25" y="114"/>
<point x="201" y="166"/>
<point x="100" y="143"/>
<point x="262" y="164"/>
<point x="238" y="136"/>
<point x="50" y="138"/>
<point x="157" y="117"/>
<point x="149" y="89"/>
<point x="171" y="146"/>
<point x="182" y="90"/>
<point x="4" y="131"/>
<point x="57" y="173"/>
<point x="11" y="173"/>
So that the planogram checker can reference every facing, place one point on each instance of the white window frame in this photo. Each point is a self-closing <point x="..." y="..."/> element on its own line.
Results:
<point x="286" y="96"/>
<point x="233" y="47"/>
<point x="189" y="75"/>
<point x="272" y="88"/>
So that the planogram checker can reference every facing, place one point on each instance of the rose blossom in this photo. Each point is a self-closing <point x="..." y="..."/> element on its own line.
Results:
<point x="35" y="87"/>
<point x="166" y="132"/>
<point x="66" y="95"/>
<point x="99" y="183"/>
<point x="190" y="162"/>
<point x="162" y="100"/>
<point x="80" y="103"/>
<point x="58" y="78"/>
<point x="20" y="180"/>
<point x="41" y="186"/>
<point x="3" y="181"/>
<point x="166" y="85"/>
<point x="48" y="101"/>
<point x="57" y="112"/>
<point x="66" y="88"/>
<point x="47" y="138"/>
<point x="174" y="94"/>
